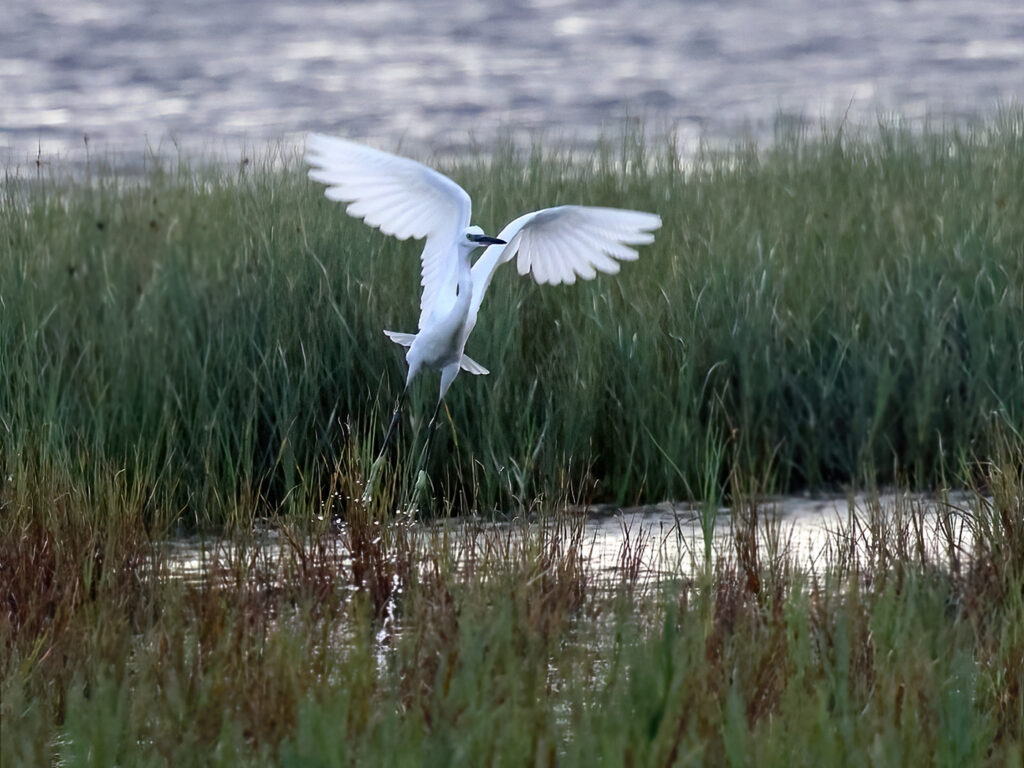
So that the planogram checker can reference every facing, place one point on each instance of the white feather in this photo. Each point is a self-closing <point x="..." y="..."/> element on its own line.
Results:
<point x="585" y="240"/>
<point x="400" y="197"/>
<point x="407" y="199"/>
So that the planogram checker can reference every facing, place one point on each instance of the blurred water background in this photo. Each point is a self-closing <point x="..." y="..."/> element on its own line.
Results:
<point x="441" y="75"/>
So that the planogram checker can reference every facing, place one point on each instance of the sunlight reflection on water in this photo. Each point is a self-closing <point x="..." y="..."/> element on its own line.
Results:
<point x="656" y="542"/>
<point x="445" y="74"/>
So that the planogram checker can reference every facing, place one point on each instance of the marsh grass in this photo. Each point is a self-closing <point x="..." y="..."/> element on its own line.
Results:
<point x="496" y="645"/>
<point x="844" y="309"/>
<point x="199" y="350"/>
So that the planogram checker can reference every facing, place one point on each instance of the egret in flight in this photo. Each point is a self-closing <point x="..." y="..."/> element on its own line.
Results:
<point x="404" y="198"/>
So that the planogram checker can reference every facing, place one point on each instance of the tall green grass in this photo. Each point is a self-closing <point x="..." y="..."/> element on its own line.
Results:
<point x="839" y="309"/>
<point x="463" y="645"/>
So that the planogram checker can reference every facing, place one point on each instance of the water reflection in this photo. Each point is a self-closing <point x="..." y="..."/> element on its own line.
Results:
<point x="443" y="74"/>
<point x="645" y="544"/>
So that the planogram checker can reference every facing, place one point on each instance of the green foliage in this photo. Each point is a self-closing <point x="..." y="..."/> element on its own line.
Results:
<point x="499" y="647"/>
<point x="845" y="309"/>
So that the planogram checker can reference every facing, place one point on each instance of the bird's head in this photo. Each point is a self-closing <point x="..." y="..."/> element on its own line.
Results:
<point x="474" y="237"/>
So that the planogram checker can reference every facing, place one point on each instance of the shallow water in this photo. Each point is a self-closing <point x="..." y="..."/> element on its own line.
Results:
<point x="649" y="544"/>
<point x="443" y="74"/>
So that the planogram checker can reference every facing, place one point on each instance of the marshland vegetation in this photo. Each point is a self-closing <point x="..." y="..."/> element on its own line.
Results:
<point x="197" y="350"/>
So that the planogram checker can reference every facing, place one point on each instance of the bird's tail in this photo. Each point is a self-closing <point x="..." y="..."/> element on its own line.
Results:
<point x="472" y="366"/>
<point x="467" y="364"/>
<point x="405" y="339"/>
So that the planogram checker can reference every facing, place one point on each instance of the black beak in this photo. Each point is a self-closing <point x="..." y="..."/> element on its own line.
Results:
<point x="487" y="240"/>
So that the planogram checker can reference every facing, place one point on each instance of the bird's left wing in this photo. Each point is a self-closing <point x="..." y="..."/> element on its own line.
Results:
<point x="400" y="197"/>
<point x="557" y="245"/>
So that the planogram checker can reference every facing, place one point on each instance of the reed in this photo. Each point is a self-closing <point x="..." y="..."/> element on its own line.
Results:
<point x="197" y="350"/>
<point x="842" y="309"/>
<point x="468" y="642"/>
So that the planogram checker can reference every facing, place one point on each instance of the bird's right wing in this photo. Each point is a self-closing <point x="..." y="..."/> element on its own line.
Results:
<point x="557" y="245"/>
<point x="401" y="197"/>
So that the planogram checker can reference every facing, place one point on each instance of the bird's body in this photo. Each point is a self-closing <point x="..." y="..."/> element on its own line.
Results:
<point x="404" y="198"/>
<point x="441" y="341"/>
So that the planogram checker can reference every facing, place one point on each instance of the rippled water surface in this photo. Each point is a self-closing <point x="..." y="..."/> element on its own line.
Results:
<point x="442" y="74"/>
<point x="658" y="542"/>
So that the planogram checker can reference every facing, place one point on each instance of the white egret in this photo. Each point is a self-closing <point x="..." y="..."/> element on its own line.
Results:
<point x="404" y="198"/>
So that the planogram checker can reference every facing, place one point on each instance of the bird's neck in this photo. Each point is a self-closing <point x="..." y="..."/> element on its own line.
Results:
<point x="465" y="281"/>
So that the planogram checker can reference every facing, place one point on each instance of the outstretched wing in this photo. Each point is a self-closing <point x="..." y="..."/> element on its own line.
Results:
<point x="400" y="197"/>
<point x="557" y="245"/>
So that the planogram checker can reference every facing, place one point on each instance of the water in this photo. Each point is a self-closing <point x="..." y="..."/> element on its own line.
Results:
<point x="646" y="544"/>
<point x="439" y="75"/>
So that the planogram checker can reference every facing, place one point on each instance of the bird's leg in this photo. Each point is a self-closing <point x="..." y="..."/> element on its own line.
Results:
<point x="378" y="463"/>
<point x="448" y="376"/>
<point x="394" y="421"/>
<point x="421" y="487"/>
<point x="431" y="429"/>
